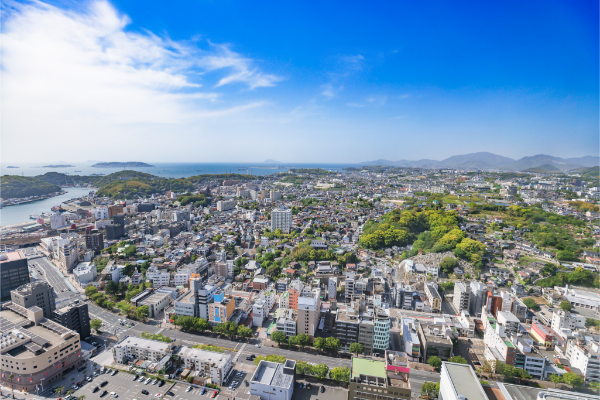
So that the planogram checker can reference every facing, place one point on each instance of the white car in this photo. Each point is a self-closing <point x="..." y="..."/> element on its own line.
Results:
<point x="154" y="382"/>
<point x="113" y="394"/>
<point x="147" y="381"/>
<point x="189" y="389"/>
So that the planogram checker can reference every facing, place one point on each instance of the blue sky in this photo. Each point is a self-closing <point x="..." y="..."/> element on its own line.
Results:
<point x="299" y="81"/>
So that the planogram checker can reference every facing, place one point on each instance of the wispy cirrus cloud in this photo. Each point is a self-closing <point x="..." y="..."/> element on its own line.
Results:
<point x="71" y="72"/>
<point x="347" y="65"/>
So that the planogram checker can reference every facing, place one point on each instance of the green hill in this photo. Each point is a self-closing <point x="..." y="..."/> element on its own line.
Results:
<point x="591" y="173"/>
<point x="544" y="169"/>
<point x="126" y="184"/>
<point x="15" y="187"/>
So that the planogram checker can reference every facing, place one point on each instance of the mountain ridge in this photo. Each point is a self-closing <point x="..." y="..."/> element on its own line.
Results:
<point x="487" y="160"/>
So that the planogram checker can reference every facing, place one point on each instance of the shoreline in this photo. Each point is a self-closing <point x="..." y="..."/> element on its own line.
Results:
<point x="33" y="200"/>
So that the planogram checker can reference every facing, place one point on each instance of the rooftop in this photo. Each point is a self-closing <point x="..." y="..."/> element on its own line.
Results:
<point x="275" y="374"/>
<point x="366" y="366"/>
<point x="12" y="256"/>
<point x="464" y="381"/>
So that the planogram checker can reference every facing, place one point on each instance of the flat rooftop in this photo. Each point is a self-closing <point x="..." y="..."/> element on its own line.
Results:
<point x="13" y="256"/>
<point x="368" y="367"/>
<point x="464" y="381"/>
<point x="273" y="374"/>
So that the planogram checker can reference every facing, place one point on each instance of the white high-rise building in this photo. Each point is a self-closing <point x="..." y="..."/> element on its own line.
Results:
<point x="58" y="221"/>
<point x="281" y="218"/>
<point x="332" y="288"/>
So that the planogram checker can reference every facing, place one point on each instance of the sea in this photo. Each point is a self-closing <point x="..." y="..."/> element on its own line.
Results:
<point x="169" y="170"/>
<point x="20" y="213"/>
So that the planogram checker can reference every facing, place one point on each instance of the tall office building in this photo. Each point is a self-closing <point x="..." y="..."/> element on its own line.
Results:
<point x="74" y="317"/>
<point x="478" y="297"/>
<point x="13" y="272"/>
<point x="281" y="218"/>
<point x="38" y="294"/>
<point x="94" y="240"/>
<point x="462" y="296"/>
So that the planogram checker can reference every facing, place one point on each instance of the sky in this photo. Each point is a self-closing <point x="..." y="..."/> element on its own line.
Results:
<point x="335" y="81"/>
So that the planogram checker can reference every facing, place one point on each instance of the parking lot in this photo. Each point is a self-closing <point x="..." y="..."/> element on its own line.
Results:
<point x="123" y="385"/>
<point x="314" y="393"/>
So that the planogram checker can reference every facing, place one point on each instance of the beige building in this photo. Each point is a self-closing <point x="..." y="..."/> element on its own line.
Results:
<point x="35" y="350"/>
<point x="38" y="294"/>
<point x="309" y="312"/>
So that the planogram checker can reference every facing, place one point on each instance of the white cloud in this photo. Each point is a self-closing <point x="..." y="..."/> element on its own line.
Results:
<point x="68" y="76"/>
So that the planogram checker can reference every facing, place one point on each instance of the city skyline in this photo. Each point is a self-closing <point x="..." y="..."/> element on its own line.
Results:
<point x="329" y="83"/>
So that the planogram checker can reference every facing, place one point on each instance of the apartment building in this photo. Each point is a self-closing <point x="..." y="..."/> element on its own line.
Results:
<point x="157" y="277"/>
<point x="225" y="205"/>
<point x="309" y="312"/>
<point x="221" y="309"/>
<point x="527" y="357"/>
<point x="260" y="311"/>
<point x="434" y="342"/>
<point x="287" y="321"/>
<point x="478" y="298"/>
<point x="14" y="272"/>
<point x="75" y="317"/>
<point x="68" y="256"/>
<point x="434" y="298"/>
<point x="540" y="333"/>
<point x="215" y="365"/>
<point x="332" y="288"/>
<point x="380" y="380"/>
<point x="465" y="324"/>
<point x="585" y="356"/>
<point x="410" y="338"/>
<point x="349" y="286"/>
<point x="462" y="296"/>
<point x="518" y="309"/>
<point x="94" y="240"/>
<point x="204" y="296"/>
<point x="510" y="323"/>
<point x="186" y="305"/>
<point x="498" y="346"/>
<point x="39" y="294"/>
<point x="281" y="218"/>
<point x="132" y="348"/>
<point x="563" y="322"/>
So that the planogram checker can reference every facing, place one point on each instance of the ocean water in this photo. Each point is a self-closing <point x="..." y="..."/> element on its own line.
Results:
<point x="170" y="170"/>
<point x="20" y="213"/>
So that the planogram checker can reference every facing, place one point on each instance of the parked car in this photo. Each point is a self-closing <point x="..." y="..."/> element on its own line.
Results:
<point x="145" y="391"/>
<point x="161" y="383"/>
<point x="189" y="388"/>
<point x="322" y="389"/>
<point x="213" y="394"/>
<point x="104" y="384"/>
<point x="203" y="390"/>
<point x="114" y="372"/>
<point x="95" y="389"/>
<point x="114" y="394"/>
<point x="103" y="393"/>
<point x="308" y="386"/>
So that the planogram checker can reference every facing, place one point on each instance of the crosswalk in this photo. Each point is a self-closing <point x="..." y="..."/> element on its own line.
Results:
<point x="239" y="353"/>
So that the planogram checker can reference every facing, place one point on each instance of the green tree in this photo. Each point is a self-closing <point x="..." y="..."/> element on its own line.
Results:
<point x="303" y="368"/>
<point x="278" y="336"/>
<point x="320" y="371"/>
<point x="458" y="360"/>
<point x="91" y="290"/>
<point x="530" y="303"/>
<point x="202" y="325"/>
<point x="435" y="362"/>
<point x="333" y="344"/>
<point x="231" y="328"/>
<point x="243" y="331"/>
<point x="556" y="379"/>
<point x="59" y="390"/>
<point x="571" y="378"/>
<point x="428" y="389"/>
<point x="565" y="305"/>
<point x="356" y="348"/>
<point x="506" y="370"/>
<point x="303" y="340"/>
<point x="221" y="329"/>
<point x="595" y="386"/>
<point x="448" y="264"/>
<point x="319" y="343"/>
<point x="293" y="341"/>
<point x="111" y="287"/>
<point x="96" y="324"/>
<point x="340" y="374"/>
<point x="142" y="313"/>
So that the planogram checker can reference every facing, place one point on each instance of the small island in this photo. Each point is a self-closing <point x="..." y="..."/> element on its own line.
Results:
<point x="58" y="166"/>
<point x="12" y="166"/>
<point x="128" y="164"/>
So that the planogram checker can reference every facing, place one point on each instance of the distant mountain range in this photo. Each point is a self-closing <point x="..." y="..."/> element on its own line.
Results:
<point x="485" y="160"/>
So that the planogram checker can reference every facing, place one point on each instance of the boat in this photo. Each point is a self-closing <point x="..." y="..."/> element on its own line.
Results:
<point x="34" y="216"/>
<point x="77" y="171"/>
